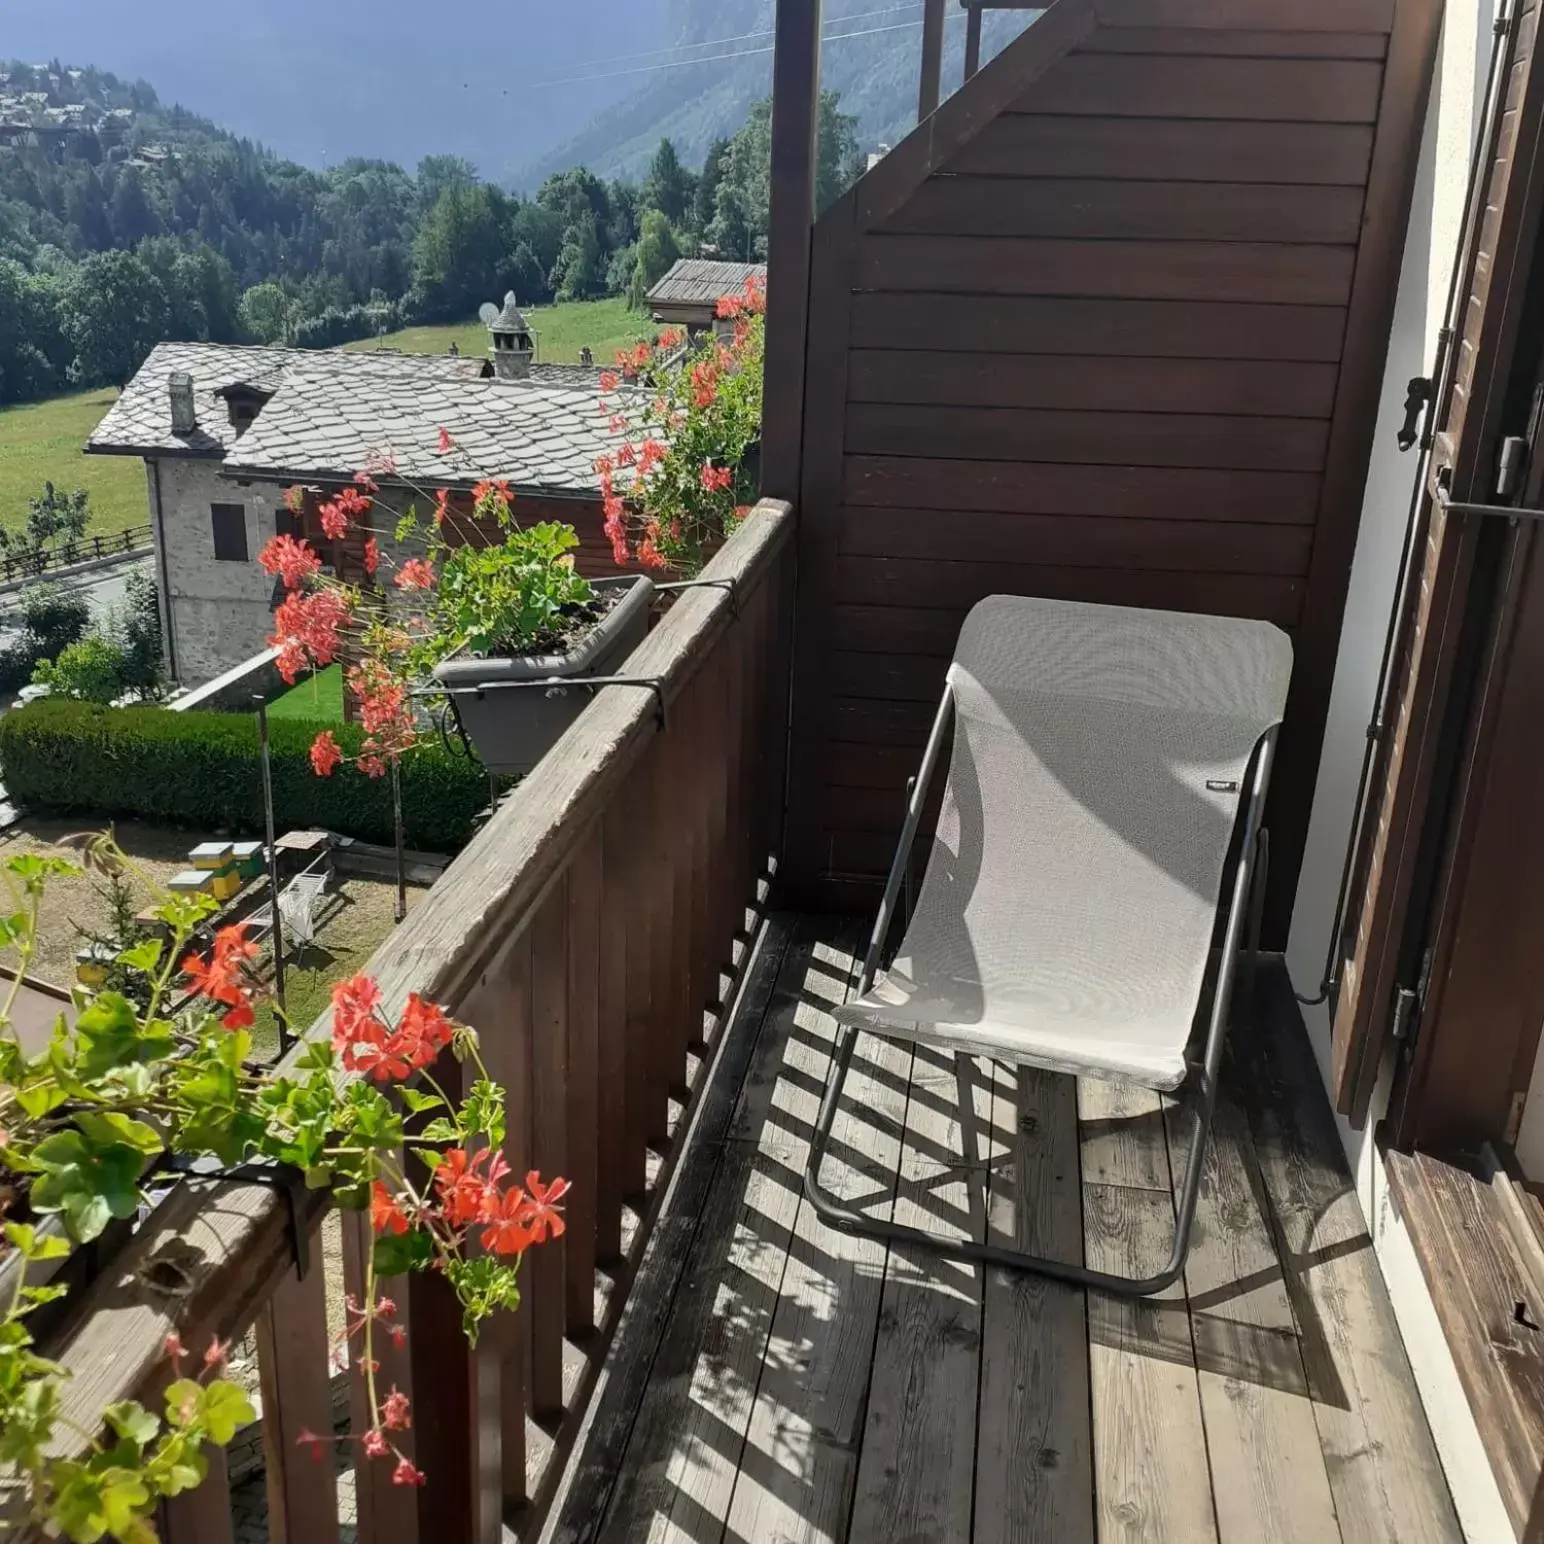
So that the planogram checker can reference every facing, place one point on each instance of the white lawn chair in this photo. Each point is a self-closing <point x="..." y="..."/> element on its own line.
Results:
<point x="1101" y="822"/>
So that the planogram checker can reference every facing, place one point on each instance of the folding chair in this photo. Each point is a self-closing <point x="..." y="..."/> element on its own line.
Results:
<point x="1097" y="854"/>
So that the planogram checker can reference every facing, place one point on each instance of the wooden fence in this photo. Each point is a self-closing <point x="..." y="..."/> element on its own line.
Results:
<point x="591" y="933"/>
<point x="18" y="565"/>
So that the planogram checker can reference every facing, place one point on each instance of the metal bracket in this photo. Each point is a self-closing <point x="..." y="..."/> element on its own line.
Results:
<point x="706" y="584"/>
<point x="288" y="1181"/>
<point x="557" y="685"/>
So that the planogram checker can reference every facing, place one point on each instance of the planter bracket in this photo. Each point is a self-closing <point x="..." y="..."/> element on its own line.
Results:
<point x="706" y="584"/>
<point x="289" y="1182"/>
<point x="558" y="684"/>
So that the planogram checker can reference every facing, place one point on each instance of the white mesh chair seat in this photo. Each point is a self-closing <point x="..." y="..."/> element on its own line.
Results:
<point x="1067" y="913"/>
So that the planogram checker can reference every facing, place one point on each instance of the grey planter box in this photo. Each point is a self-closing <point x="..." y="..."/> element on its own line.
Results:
<point x="513" y="730"/>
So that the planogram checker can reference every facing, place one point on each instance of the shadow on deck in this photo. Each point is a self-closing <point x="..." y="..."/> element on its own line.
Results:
<point x="773" y="1380"/>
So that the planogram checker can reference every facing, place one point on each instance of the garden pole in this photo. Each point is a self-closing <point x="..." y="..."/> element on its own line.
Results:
<point x="396" y="813"/>
<point x="273" y="874"/>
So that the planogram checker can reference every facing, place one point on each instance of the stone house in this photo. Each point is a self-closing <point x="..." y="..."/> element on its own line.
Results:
<point x="225" y="431"/>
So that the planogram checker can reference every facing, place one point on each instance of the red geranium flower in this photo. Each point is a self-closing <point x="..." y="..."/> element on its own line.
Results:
<point x="294" y="561"/>
<point x="325" y="754"/>
<point x="415" y="574"/>
<point x="541" y="1214"/>
<point x="385" y="1215"/>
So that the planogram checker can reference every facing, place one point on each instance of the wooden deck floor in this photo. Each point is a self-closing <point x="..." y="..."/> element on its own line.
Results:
<point x="773" y="1380"/>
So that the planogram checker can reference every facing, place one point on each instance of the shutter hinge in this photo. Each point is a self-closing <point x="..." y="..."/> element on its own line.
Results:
<point x="1409" y="1001"/>
<point x="1511" y="466"/>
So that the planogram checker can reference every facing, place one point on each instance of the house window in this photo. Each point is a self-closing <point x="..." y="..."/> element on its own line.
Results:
<point x="286" y="523"/>
<point x="230" y="532"/>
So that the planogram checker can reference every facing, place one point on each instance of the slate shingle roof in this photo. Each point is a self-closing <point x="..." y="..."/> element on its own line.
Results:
<point x="332" y="412"/>
<point x="702" y="281"/>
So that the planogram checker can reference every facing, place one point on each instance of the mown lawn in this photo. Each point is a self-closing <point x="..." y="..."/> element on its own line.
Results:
<point x="42" y="442"/>
<point x="318" y="698"/>
<point x="562" y="330"/>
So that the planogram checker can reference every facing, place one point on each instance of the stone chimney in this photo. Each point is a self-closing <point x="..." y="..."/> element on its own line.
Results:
<point x="179" y="389"/>
<point x="513" y="347"/>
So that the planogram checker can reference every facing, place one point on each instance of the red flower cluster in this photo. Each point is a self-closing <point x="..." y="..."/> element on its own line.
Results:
<point x="325" y="754"/>
<point x="751" y="301"/>
<point x="367" y="1043"/>
<point x="512" y="1219"/>
<point x="672" y="337"/>
<point x="415" y="574"/>
<point x="492" y="492"/>
<point x="715" y="478"/>
<point x="609" y="380"/>
<point x="705" y="375"/>
<point x="306" y="630"/>
<point x="220" y="977"/>
<point x="294" y="561"/>
<point x="337" y="513"/>
<point x="447" y="444"/>
<point x="372" y="556"/>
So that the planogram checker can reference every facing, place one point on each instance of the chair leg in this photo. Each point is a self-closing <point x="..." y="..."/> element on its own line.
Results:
<point x="837" y="1214"/>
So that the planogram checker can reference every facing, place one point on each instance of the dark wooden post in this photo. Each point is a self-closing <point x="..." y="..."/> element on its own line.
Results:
<point x="932" y="58"/>
<point x="795" y="126"/>
<point x="972" y="41"/>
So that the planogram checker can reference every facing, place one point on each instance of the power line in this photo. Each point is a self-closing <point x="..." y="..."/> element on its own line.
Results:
<point x="741" y="37"/>
<point x="743" y="53"/>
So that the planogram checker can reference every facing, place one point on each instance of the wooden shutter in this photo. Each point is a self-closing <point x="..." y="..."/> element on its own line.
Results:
<point x="1497" y="261"/>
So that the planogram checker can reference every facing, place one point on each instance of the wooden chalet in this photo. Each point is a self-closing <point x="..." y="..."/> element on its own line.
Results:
<point x="1131" y="317"/>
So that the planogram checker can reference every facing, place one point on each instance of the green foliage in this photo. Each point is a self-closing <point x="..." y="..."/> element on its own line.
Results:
<point x="52" y="620"/>
<point x="137" y="631"/>
<point x="668" y="186"/>
<point x="505" y="599"/>
<point x="658" y="249"/>
<point x="202" y="769"/>
<point x="167" y="1069"/>
<point x="55" y="520"/>
<point x="265" y="313"/>
<point x="91" y="670"/>
<point x="113" y="310"/>
<point x="460" y="251"/>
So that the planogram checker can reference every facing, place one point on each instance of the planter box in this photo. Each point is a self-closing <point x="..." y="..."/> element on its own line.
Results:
<point x="514" y="729"/>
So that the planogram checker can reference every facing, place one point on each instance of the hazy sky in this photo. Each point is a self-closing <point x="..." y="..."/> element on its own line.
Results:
<point x="319" y="79"/>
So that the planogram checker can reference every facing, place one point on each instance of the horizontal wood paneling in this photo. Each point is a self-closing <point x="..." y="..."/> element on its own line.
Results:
<point x="1156" y="328"/>
<point x="1168" y="150"/>
<point x="1275" y="274"/>
<point x="1290" y="389"/>
<point x="956" y="584"/>
<point x="878" y="629"/>
<point x="1311" y="15"/>
<point x="1258" y="44"/>
<point x="1192" y="546"/>
<point x="1174" y="86"/>
<point x="1114" y="492"/>
<point x="1103" y="439"/>
<point x="1113" y="209"/>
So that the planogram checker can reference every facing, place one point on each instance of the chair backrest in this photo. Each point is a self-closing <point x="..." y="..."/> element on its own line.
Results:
<point x="1100" y="759"/>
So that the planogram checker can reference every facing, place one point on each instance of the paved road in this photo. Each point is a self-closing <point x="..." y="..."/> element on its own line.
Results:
<point x="104" y="589"/>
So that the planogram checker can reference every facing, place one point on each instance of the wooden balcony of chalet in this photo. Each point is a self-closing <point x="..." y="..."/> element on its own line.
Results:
<point x="1109" y="326"/>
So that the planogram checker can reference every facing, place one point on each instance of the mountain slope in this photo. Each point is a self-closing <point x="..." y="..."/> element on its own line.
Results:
<point x="871" y="55"/>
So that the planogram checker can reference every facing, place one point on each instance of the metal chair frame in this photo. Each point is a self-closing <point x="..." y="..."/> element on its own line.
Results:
<point x="1244" y="909"/>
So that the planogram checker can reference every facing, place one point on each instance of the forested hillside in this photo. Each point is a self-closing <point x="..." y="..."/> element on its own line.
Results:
<point x="124" y="222"/>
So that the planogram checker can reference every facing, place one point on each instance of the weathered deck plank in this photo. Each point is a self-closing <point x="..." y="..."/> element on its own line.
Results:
<point x="926" y="1362"/>
<point x="1034" y="1458"/>
<point x="801" y="1452"/>
<point x="1268" y="1469"/>
<point x="1151" y="1478"/>
<point x="1384" y="1471"/>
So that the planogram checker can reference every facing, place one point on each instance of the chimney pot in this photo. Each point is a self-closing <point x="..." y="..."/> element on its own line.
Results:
<point x="179" y="387"/>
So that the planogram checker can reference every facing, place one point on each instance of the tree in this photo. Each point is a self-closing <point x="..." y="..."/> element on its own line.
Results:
<point x="265" y="314"/>
<point x="33" y="352"/>
<point x="580" y="273"/>
<point x="658" y="249"/>
<point x="461" y="251"/>
<point x="705" y="196"/>
<point x="58" y="518"/>
<point x="113" y="311"/>
<point x="668" y="186"/>
<point x="437" y="174"/>
<point x="539" y="231"/>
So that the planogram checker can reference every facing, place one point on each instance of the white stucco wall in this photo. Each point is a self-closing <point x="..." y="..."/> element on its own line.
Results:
<point x="1435" y="221"/>
<point x="219" y="610"/>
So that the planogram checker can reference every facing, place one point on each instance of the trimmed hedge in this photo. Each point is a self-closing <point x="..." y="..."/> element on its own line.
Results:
<point x="202" y="769"/>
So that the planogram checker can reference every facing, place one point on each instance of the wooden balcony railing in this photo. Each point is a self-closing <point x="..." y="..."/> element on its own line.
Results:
<point x="591" y="933"/>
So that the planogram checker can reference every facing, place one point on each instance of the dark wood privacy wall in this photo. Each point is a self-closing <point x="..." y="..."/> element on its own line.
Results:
<point x="1109" y="326"/>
